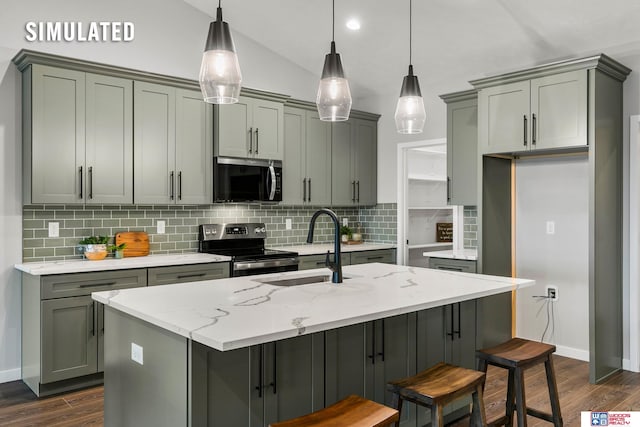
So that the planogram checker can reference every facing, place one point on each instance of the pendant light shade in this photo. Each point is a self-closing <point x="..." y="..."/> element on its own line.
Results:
<point x="220" y="77"/>
<point x="410" y="114"/>
<point x="334" y="95"/>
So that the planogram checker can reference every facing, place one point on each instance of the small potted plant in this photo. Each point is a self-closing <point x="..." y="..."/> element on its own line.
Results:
<point x="94" y="247"/>
<point x="118" y="250"/>
<point x="345" y="233"/>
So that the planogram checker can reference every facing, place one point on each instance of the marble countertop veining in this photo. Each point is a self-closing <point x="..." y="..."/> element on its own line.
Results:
<point x="232" y="313"/>
<point x="467" y="254"/>
<point x="322" y="248"/>
<point x="83" y="265"/>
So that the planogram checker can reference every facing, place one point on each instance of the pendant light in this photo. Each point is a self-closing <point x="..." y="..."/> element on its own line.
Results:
<point x="334" y="96"/>
<point x="220" y="76"/>
<point x="410" y="115"/>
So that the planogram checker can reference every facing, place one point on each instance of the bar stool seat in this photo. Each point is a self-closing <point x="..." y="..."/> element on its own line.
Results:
<point x="438" y="386"/>
<point x="516" y="355"/>
<point x="353" y="411"/>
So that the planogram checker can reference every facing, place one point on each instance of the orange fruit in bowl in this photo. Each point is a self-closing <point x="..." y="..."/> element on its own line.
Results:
<point x="96" y="256"/>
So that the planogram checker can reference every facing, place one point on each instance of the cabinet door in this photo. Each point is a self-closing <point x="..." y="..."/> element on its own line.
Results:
<point x="99" y="308"/>
<point x="318" y="160"/>
<point x="365" y="156"/>
<point x="395" y="358"/>
<point x="293" y="171"/>
<point x="194" y="148"/>
<point x="460" y="340"/>
<point x="559" y="103"/>
<point x="58" y="135"/>
<point x="430" y="345"/>
<point x="503" y="118"/>
<point x="342" y="182"/>
<point x="462" y="152"/>
<point x="294" y="380"/>
<point x="154" y="144"/>
<point x="349" y="362"/>
<point x="109" y="140"/>
<point x="268" y="137"/>
<point x="69" y="338"/>
<point x="233" y="399"/>
<point x="233" y="126"/>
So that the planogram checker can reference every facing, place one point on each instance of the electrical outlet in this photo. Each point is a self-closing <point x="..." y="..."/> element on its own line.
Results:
<point x="552" y="292"/>
<point x="137" y="353"/>
<point x="54" y="229"/>
<point x="345" y="222"/>
<point x="160" y="227"/>
<point x="287" y="223"/>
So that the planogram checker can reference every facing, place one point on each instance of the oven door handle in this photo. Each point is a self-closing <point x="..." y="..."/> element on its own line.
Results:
<point x="272" y="172"/>
<point x="251" y="265"/>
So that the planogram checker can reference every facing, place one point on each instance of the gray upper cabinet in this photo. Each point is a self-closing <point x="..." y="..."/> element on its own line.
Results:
<point x="462" y="147"/>
<point x="354" y="162"/>
<point x="548" y="112"/>
<point x="307" y="158"/>
<point x="84" y="122"/>
<point x="173" y="146"/>
<point x="250" y="128"/>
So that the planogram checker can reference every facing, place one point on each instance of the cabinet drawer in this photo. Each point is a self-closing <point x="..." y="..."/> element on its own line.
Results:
<point x="308" y="262"/>
<point x="387" y="256"/>
<point x="78" y="284"/>
<point x="188" y="273"/>
<point x="466" y="266"/>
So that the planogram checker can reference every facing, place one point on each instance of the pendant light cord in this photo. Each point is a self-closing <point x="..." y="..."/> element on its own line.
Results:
<point x="410" y="32"/>
<point x="333" y="20"/>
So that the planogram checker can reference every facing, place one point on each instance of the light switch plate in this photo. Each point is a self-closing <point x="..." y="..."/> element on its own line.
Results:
<point x="137" y="353"/>
<point x="54" y="229"/>
<point x="160" y="227"/>
<point x="287" y="223"/>
<point x="551" y="227"/>
<point x="345" y="222"/>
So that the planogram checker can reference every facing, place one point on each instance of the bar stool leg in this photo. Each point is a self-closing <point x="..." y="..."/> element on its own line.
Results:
<point x="478" y="415"/>
<point x="553" y="393"/>
<point x="396" y="403"/>
<point x="511" y="402"/>
<point x="520" y="398"/>
<point x="436" y="416"/>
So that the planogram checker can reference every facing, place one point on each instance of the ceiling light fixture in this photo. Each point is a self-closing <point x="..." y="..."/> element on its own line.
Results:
<point x="353" y="24"/>
<point x="220" y="77"/>
<point x="410" y="114"/>
<point x="334" y="95"/>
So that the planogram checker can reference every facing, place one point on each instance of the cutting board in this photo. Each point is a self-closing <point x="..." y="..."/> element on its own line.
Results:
<point x="137" y="243"/>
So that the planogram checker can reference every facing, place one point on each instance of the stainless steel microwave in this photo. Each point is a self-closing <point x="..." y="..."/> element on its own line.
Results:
<point x="247" y="180"/>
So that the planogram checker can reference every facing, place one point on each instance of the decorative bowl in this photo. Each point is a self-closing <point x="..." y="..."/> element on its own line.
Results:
<point x="95" y="252"/>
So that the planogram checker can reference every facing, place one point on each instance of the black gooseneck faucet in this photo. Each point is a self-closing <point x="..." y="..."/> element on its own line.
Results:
<point x="336" y="265"/>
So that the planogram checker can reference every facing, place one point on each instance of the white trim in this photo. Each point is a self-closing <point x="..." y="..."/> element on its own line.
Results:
<point x="634" y="244"/>
<point x="402" y="178"/>
<point x="10" y="375"/>
<point x="573" y="353"/>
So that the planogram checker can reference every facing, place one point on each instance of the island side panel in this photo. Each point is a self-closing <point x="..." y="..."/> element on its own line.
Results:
<point x="151" y="393"/>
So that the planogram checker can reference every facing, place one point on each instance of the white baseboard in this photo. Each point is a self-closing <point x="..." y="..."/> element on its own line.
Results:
<point x="10" y="375"/>
<point x="626" y="365"/>
<point x="573" y="353"/>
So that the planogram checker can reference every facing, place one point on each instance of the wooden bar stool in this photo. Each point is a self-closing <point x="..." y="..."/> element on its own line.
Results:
<point x="353" y="411"/>
<point x="516" y="355"/>
<point x="438" y="386"/>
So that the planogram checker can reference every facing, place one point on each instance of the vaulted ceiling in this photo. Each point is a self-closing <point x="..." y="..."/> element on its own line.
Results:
<point x="454" y="41"/>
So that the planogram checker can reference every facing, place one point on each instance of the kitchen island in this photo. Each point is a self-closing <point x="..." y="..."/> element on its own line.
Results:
<point x="245" y="352"/>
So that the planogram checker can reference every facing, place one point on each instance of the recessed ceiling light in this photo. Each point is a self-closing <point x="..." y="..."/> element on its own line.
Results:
<point x="353" y="24"/>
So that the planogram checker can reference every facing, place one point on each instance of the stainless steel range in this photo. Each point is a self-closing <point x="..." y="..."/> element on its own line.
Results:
<point x="244" y="243"/>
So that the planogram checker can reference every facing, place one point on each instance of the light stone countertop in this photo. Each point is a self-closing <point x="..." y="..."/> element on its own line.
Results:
<point x="466" y="254"/>
<point x="84" y="265"/>
<point x="322" y="248"/>
<point x="232" y="313"/>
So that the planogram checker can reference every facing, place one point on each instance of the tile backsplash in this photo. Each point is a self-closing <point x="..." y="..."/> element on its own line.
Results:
<point x="181" y="231"/>
<point x="470" y="227"/>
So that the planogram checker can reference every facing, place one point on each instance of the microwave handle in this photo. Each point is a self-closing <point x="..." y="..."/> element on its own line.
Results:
<point x="272" y="172"/>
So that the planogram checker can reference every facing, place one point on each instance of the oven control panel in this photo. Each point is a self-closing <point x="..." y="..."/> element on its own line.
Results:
<point x="232" y="231"/>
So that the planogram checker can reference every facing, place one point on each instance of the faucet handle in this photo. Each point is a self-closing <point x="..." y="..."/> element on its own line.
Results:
<point x="328" y="262"/>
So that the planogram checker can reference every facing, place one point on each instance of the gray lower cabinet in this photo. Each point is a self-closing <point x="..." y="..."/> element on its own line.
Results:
<point x="462" y="265"/>
<point x="387" y="256"/>
<point x="361" y="359"/>
<point x="63" y="328"/>
<point x="262" y="384"/>
<point x="187" y="273"/>
<point x="308" y="262"/>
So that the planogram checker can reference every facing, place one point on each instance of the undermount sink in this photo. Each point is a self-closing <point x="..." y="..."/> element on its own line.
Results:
<point x="295" y="281"/>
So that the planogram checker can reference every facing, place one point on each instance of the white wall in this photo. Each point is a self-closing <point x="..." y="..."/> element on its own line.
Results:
<point x="169" y="39"/>
<point x="557" y="191"/>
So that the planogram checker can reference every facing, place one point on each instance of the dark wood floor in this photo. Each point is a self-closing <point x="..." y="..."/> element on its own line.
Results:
<point x="19" y="407"/>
